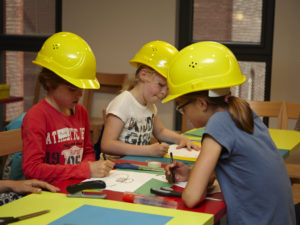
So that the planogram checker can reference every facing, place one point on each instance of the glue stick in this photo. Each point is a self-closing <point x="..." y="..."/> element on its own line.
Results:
<point x="149" y="200"/>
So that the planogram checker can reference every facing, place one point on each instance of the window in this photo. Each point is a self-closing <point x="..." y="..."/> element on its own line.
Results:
<point x="246" y="27"/>
<point x="227" y="20"/>
<point x="25" y="25"/>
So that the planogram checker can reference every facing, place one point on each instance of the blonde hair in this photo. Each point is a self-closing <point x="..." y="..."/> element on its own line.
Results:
<point x="239" y="109"/>
<point x="132" y="82"/>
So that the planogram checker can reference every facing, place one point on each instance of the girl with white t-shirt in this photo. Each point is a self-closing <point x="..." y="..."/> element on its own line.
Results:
<point x="131" y="117"/>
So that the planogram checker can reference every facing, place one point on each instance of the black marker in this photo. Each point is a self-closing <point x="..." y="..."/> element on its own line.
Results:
<point x="172" y="169"/>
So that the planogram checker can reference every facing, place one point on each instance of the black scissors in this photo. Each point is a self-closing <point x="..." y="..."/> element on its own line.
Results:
<point x="166" y="191"/>
<point x="169" y="192"/>
<point x="11" y="219"/>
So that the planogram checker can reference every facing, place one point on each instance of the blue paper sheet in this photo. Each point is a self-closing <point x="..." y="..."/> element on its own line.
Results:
<point x="95" y="215"/>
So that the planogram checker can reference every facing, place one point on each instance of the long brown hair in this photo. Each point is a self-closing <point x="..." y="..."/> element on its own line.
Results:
<point x="239" y="109"/>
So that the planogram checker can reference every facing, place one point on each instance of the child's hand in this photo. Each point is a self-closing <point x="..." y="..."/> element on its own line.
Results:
<point x="158" y="149"/>
<point x="101" y="168"/>
<point x="31" y="186"/>
<point x="182" y="172"/>
<point x="185" y="142"/>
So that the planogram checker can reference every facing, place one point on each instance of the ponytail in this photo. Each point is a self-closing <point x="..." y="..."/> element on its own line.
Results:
<point x="241" y="114"/>
<point x="239" y="109"/>
<point x="130" y="84"/>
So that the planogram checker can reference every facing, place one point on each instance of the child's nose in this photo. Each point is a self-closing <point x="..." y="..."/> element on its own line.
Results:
<point x="165" y="90"/>
<point x="79" y="92"/>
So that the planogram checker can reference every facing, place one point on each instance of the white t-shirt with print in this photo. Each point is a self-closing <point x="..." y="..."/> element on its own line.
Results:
<point x="138" y="118"/>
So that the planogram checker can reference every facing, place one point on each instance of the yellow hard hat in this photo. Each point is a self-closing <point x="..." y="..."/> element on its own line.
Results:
<point x="70" y="57"/>
<point x="157" y="55"/>
<point x="203" y="66"/>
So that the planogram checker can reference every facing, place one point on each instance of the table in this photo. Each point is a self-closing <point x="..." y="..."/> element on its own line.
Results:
<point x="206" y="213"/>
<point x="59" y="205"/>
<point x="215" y="208"/>
<point x="287" y="141"/>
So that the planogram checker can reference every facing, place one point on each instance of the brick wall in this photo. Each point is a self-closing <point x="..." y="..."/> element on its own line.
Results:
<point x="14" y="60"/>
<point x="25" y="17"/>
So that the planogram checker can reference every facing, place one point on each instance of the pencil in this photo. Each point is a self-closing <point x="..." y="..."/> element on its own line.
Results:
<point x="172" y="169"/>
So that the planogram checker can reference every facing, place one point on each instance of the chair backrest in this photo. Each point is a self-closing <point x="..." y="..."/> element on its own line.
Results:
<point x="270" y="109"/>
<point x="11" y="142"/>
<point x="292" y="111"/>
<point x="109" y="83"/>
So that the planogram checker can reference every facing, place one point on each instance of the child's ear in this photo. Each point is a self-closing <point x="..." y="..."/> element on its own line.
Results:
<point x="202" y="103"/>
<point x="144" y="75"/>
<point x="48" y="86"/>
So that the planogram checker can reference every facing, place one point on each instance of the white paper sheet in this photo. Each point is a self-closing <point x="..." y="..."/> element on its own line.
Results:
<point x="125" y="180"/>
<point x="183" y="152"/>
<point x="214" y="188"/>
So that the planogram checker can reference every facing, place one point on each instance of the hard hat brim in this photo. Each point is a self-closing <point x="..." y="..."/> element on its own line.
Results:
<point x="172" y="97"/>
<point x="81" y="83"/>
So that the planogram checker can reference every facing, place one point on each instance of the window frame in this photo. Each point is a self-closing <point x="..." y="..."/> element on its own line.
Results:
<point x="30" y="43"/>
<point x="12" y="42"/>
<point x="243" y="51"/>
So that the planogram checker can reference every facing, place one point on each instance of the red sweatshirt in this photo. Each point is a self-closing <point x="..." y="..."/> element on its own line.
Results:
<point x="55" y="146"/>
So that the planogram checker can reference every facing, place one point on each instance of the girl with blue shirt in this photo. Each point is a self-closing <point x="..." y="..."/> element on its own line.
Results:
<point x="236" y="144"/>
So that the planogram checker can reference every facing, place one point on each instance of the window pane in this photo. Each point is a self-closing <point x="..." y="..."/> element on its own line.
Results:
<point x="21" y="74"/>
<point x="227" y="20"/>
<point x="254" y="87"/>
<point x="29" y="17"/>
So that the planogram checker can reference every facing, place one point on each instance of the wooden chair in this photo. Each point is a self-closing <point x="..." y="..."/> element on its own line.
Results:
<point x="293" y="162"/>
<point x="271" y="110"/>
<point x="109" y="83"/>
<point x="11" y="142"/>
<point x="292" y="112"/>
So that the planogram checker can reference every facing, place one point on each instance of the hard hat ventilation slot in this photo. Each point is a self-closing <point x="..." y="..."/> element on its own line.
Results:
<point x="193" y="64"/>
<point x="55" y="46"/>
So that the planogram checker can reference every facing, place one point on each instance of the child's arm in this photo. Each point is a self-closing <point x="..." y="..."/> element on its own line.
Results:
<point x="26" y="186"/>
<point x="201" y="172"/>
<point x="164" y="134"/>
<point x="111" y="145"/>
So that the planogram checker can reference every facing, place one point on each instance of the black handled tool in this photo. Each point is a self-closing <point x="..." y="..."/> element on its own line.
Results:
<point x="75" y="190"/>
<point x="166" y="191"/>
<point x="169" y="192"/>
